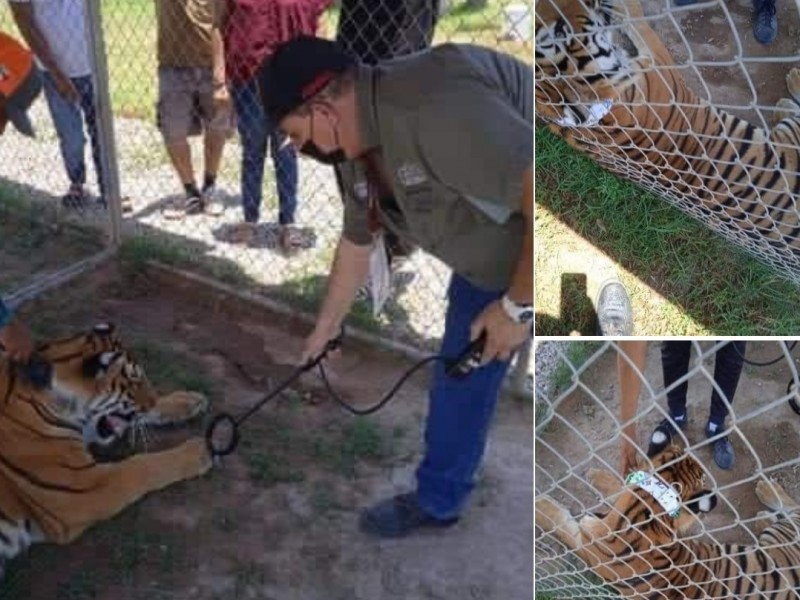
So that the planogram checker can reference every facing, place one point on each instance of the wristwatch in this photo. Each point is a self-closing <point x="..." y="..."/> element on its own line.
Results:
<point x="519" y="313"/>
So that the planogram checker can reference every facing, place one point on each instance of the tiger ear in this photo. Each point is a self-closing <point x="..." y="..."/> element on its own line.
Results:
<point x="702" y="502"/>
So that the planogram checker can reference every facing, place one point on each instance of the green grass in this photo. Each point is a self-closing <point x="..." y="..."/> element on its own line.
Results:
<point x="166" y="367"/>
<point x="682" y="279"/>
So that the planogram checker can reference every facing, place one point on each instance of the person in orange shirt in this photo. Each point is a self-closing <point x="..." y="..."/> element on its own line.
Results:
<point x="20" y="85"/>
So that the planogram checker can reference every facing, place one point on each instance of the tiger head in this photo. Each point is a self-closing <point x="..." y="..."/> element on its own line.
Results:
<point x="588" y="56"/>
<point x="95" y="384"/>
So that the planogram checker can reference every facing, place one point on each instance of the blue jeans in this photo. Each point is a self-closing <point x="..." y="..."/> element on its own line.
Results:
<point x="69" y="123"/>
<point x="459" y="412"/>
<point x="255" y="130"/>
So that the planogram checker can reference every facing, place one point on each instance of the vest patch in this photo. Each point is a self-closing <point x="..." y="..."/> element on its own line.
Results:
<point x="411" y="174"/>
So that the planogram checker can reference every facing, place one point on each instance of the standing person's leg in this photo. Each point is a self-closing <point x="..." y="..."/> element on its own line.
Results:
<point x="675" y="357"/>
<point x="728" y="364"/>
<point x="253" y="134"/>
<point x="284" y="158"/>
<point x="85" y="89"/>
<point x="218" y="123"/>
<point x="69" y="127"/>
<point x="459" y="414"/>
<point x="176" y="121"/>
<point x="631" y="362"/>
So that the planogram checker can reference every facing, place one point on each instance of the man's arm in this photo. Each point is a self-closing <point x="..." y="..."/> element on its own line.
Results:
<point x="348" y="273"/>
<point x="23" y="17"/>
<point x="503" y="335"/>
<point x="630" y="372"/>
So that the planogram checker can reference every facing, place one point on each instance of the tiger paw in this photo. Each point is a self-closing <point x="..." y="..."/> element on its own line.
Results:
<point x="772" y="495"/>
<point x="793" y="83"/>
<point x="176" y="408"/>
<point x="604" y="481"/>
<point x="549" y="513"/>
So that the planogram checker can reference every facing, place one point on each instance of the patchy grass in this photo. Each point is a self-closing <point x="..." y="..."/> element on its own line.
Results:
<point x="166" y="367"/>
<point x="682" y="279"/>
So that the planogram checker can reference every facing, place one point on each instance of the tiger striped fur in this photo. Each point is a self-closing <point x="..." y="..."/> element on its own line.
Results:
<point x="606" y="83"/>
<point x="51" y="486"/>
<point x="636" y="546"/>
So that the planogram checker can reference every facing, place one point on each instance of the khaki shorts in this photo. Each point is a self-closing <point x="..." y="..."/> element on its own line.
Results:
<point x="186" y="104"/>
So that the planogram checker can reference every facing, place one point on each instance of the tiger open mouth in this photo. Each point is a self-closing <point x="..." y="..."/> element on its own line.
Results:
<point x="112" y="426"/>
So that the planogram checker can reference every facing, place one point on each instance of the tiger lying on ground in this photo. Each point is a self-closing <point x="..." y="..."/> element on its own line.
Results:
<point x="635" y="546"/>
<point x="51" y="487"/>
<point x="606" y="83"/>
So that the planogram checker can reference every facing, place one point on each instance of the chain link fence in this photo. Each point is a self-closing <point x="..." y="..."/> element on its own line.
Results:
<point x="683" y="101"/>
<point x="579" y="427"/>
<point x="145" y="57"/>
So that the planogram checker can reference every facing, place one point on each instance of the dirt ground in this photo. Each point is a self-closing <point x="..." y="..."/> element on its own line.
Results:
<point x="278" y="519"/>
<point x="584" y="432"/>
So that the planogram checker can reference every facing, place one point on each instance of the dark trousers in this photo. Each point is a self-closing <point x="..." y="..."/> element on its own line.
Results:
<point x="728" y="364"/>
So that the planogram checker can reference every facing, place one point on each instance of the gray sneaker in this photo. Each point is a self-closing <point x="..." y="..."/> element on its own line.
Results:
<point x="614" y="313"/>
<point x="724" y="455"/>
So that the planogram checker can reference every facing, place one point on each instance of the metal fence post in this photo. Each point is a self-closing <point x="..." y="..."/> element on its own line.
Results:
<point x="105" y="119"/>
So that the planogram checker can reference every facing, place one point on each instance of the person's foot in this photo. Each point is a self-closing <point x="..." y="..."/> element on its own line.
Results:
<point x="724" y="455"/>
<point x="663" y="434"/>
<point x="75" y="198"/>
<point x="292" y="239"/>
<point x="765" y="21"/>
<point x="243" y="233"/>
<point x="191" y="204"/>
<point x="398" y="517"/>
<point x="212" y="202"/>
<point x="614" y="312"/>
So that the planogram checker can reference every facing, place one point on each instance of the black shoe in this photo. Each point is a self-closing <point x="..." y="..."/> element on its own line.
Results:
<point x="399" y="516"/>
<point x="614" y="313"/>
<point x="724" y="455"/>
<point x="663" y="434"/>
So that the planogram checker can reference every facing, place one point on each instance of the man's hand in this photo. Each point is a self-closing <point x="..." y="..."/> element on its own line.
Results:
<point x="316" y="342"/>
<point x="65" y="87"/>
<point x="503" y="336"/>
<point x="17" y="341"/>
<point x="222" y="98"/>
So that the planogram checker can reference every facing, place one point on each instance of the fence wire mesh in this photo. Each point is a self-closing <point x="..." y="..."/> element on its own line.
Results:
<point x="747" y="546"/>
<point x="684" y="101"/>
<point x="269" y="220"/>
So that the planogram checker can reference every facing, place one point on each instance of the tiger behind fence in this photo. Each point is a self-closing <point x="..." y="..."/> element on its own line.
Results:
<point x="51" y="486"/>
<point x="606" y="83"/>
<point x="636" y="546"/>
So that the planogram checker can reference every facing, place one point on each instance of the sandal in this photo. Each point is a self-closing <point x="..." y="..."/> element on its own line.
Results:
<point x="292" y="239"/>
<point x="242" y="233"/>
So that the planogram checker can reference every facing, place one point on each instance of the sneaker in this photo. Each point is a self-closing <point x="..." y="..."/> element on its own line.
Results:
<point x="212" y="203"/>
<point x="180" y="207"/>
<point x="398" y="517"/>
<point x="724" y="455"/>
<point x="663" y="434"/>
<point x="75" y="198"/>
<point x="765" y="21"/>
<point x="614" y="313"/>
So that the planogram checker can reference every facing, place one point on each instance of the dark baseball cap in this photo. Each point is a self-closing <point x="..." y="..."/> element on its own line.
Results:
<point x="20" y="83"/>
<point x="297" y="71"/>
